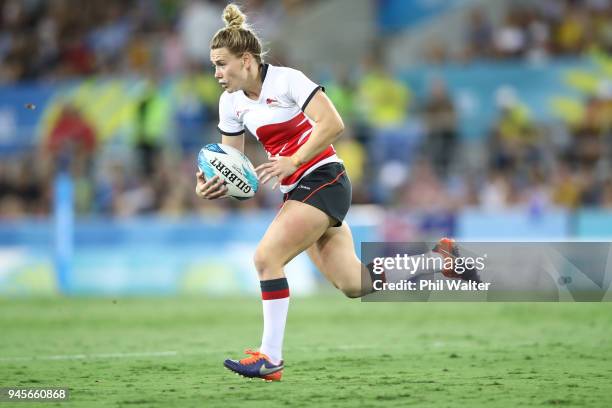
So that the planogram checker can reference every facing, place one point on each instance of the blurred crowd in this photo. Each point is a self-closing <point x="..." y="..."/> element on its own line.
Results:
<point x="401" y="151"/>
<point x="534" y="30"/>
<point x="567" y="165"/>
<point x="62" y="39"/>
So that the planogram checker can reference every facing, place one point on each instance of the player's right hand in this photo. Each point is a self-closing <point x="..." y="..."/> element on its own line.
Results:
<point x="210" y="189"/>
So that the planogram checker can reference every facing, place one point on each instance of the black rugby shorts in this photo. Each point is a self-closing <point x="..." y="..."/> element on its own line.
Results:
<point x="327" y="188"/>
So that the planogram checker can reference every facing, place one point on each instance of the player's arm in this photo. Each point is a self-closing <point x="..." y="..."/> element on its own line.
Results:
<point x="237" y="142"/>
<point x="328" y="127"/>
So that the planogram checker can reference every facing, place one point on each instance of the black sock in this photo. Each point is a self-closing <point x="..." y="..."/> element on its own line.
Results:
<point x="368" y="287"/>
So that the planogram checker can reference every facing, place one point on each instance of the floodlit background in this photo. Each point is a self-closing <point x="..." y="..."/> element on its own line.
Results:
<point x="473" y="119"/>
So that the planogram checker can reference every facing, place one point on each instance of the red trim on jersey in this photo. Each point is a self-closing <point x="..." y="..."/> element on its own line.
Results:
<point x="282" y="138"/>
<point x="277" y="294"/>
<point x="285" y="138"/>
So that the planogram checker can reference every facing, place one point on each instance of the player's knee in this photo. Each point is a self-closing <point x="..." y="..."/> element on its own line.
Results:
<point x="260" y="260"/>
<point x="351" y="289"/>
<point x="264" y="263"/>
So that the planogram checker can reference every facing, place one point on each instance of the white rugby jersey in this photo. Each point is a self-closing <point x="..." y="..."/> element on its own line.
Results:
<point x="277" y="118"/>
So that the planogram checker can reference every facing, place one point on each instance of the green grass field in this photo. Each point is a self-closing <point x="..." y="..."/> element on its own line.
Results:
<point x="339" y="352"/>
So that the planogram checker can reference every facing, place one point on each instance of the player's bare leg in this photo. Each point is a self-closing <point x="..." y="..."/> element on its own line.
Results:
<point x="334" y="255"/>
<point x="296" y="227"/>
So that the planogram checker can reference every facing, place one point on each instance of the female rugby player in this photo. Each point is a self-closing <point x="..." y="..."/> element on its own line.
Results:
<point x="296" y="123"/>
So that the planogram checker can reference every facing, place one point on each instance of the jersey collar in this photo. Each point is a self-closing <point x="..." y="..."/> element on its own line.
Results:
<point x="264" y="72"/>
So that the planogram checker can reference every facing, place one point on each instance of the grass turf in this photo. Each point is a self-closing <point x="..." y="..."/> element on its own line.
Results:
<point x="338" y="352"/>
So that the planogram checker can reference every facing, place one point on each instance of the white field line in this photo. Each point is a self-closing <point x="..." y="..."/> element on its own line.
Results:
<point x="164" y="353"/>
<point x="93" y="356"/>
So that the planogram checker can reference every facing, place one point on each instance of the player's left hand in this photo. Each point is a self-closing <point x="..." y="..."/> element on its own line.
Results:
<point x="278" y="166"/>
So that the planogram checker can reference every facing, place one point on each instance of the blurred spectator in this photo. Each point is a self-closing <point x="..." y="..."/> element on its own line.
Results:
<point x="423" y="191"/>
<point x="435" y="52"/>
<point x="152" y="124"/>
<point x="199" y="22"/>
<point x="354" y="156"/>
<point x="341" y="90"/>
<point x="266" y="18"/>
<point x="566" y="189"/>
<point x="139" y="52"/>
<point x="496" y="194"/>
<point x="441" y="121"/>
<point x="479" y="34"/>
<point x="510" y="39"/>
<point x="536" y="195"/>
<point x="599" y="108"/>
<point x="590" y="188"/>
<point x="110" y="37"/>
<point x="196" y="95"/>
<point x="172" y="52"/>
<point x="75" y="56"/>
<point x="571" y="33"/>
<point x="515" y="140"/>
<point x="606" y="193"/>
<point x="587" y="144"/>
<point x="24" y="187"/>
<point x="383" y="100"/>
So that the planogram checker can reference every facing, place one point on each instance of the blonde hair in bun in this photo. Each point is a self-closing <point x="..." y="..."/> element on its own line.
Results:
<point x="233" y="17"/>
<point x="237" y="36"/>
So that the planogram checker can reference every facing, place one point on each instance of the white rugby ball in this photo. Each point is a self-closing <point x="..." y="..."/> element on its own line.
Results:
<point x="232" y="166"/>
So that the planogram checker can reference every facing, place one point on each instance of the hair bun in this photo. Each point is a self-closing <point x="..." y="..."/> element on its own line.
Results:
<point x="233" y="17"/>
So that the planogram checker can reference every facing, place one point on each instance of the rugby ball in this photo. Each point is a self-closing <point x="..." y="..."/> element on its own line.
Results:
<point x="232" y="166"/>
